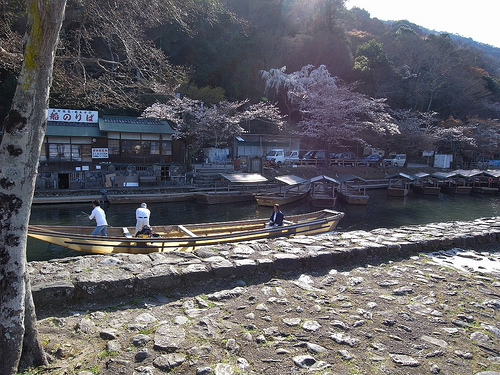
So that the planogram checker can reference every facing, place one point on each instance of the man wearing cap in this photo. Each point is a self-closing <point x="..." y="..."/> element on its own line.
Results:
<point x="142" y="215"/>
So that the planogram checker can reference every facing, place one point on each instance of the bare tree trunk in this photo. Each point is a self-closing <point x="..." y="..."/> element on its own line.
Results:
<point x="23" y="133"/>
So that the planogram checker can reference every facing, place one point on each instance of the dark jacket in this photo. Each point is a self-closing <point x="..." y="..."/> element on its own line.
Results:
<point x="278" y="220"/>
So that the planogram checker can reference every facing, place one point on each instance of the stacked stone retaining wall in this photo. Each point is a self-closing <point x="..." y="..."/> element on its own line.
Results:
<point x="101" y="279"/>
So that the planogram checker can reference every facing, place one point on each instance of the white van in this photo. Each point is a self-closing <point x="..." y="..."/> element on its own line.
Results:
<point x="395" y="160"/>
<point x="277" y="155"/>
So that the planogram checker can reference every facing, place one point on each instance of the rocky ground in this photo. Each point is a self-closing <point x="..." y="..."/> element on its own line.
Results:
<point x="408" y="316"/>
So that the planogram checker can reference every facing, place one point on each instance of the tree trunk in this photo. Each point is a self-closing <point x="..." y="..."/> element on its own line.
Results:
<point x="23" y="133"/>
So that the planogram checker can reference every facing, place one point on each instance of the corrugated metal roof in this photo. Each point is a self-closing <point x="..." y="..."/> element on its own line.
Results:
<point x="73" y="129"/>
<point x="125" y="124"/>
<point x="291" y="179"/>
<point x="324" y="178"/>
<point x="244" y="177"/>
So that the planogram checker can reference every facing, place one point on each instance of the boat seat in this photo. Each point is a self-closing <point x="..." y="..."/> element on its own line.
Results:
<point x="187" y="231"/>
<point x="126" y="232"/>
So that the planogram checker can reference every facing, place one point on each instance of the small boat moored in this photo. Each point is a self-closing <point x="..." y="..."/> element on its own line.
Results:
<point x="297" y="189"/>
<point x="399" y="184"/>
<point x="183" y="237"/>
<point x="425" y="184"/>
<point x="352" y="190"/>
<point x="241" y="187"/>
<point x="324" y="191"/>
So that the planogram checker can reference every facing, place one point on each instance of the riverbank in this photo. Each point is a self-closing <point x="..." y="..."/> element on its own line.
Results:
<point x="352" y="302"/>
<point x="178" y="193"/>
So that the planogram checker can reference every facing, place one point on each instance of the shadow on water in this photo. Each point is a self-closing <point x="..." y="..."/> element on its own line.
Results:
<point x="381" y="211"/>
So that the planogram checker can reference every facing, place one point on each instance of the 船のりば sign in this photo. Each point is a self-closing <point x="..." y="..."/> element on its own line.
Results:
<point x="72" y="115"/>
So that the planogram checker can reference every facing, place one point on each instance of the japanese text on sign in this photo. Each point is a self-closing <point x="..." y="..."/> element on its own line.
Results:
<point x="72" y="115"/>
<point x="100" y="153"/>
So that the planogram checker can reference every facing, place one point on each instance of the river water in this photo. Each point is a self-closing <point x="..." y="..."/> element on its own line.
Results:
<point x="381" y="211"/>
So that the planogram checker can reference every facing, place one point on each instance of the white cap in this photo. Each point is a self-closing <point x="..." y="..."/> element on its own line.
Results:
<point x="144" y="205"/>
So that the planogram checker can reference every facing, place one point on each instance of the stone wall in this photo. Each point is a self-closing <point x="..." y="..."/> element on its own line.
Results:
<point x="101" y="279"/>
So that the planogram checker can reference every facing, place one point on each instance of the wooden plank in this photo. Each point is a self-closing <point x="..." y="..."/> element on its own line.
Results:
<point x="126" y="232"/>
<point x="187" y="231"/>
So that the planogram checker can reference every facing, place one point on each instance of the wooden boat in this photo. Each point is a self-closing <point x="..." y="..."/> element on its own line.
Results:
<point x="183" y="237"/>
<point x="298" y="188"/>
<point x="324" y="191"/>
<point x="425" y="184"/>
<point x="399" y="184"/>
<point x="487" y="182"/>
<point x="352" y="190"/>
<point x="456" y="182"/>
<point x="241" y="187"/>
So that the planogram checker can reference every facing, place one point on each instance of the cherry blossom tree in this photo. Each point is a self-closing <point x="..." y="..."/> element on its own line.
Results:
<point x="217" y="125"/>
<point x="332" y="111"/>
<point x="416" y="132"/>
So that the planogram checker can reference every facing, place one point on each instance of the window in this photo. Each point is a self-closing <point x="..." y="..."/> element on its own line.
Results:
<point x="114" y="146"/>
<point x="166" y="148"/>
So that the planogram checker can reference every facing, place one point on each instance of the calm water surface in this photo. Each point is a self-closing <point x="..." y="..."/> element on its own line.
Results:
<point x="381" y="211"/>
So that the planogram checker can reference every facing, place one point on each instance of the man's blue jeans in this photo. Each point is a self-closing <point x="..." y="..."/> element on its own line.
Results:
<point x="100" y="230"/>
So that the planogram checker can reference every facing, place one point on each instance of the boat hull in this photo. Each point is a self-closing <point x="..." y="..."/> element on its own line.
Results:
<point x="465" y="190"/>
<point x="326" y="201"/>
<point x="271" y="200"/>
<point x="351" y="198"/>
<point x="398" y="192"/>
<point x="182" y="238"/>
<point x="427" y="190"/>
<point x="219" y="198"/>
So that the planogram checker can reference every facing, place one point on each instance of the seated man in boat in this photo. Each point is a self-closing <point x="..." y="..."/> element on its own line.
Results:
<point x="142" y="215"/>
<point x="276" y="218"/>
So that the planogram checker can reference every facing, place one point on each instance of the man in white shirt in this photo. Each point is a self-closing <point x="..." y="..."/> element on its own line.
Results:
<point x="142" y="215"/>
<point x="100" y="217"/>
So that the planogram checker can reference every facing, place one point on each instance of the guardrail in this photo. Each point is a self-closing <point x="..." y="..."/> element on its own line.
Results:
<point x="337" y="162"/>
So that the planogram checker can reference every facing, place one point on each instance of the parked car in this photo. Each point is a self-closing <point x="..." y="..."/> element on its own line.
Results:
<point x="291" y="156"/>
<point x="314" y="154"/>
<point x="342" y="155"/>
<point x="370" y="159"/>
<point x="395" y="160"/>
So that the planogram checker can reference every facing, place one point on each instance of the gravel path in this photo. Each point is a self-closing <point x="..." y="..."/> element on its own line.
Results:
<point x="410" y="316"/>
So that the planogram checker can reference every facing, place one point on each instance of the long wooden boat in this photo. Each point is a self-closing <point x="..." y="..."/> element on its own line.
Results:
<point x="183" y="237"/>
<point x="298" y="189"/>
<point x="241" y="187"/>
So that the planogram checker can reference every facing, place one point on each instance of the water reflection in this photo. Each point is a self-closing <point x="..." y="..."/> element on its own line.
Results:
<point x="381" y="211"/>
